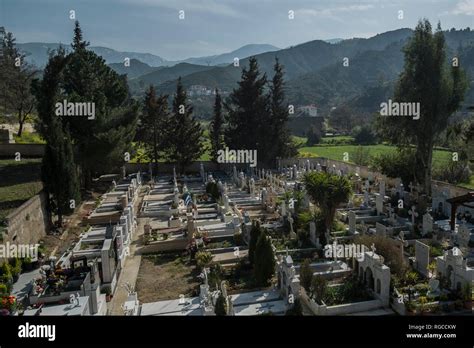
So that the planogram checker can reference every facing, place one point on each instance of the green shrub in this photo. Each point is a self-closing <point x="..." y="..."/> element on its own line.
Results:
<point x="238" y="239"/>
<point x="3" y="289"/>
<point x="306" y="275"/>
<point x="15" y="266"/>
<point x="5" y="272"/>
<point x="203" y="259"/>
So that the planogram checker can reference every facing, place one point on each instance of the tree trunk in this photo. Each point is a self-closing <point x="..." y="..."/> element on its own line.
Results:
<point x="49" y="213"/>
<point x="21" y="121"/>
<point x="424" y="156"/>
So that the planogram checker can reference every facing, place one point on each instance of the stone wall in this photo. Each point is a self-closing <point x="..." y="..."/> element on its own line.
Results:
<point x="28" y="223"/>
<point x="26" y="150"/>
<point x="167" y="168"/>
<point x="165" y="245"/>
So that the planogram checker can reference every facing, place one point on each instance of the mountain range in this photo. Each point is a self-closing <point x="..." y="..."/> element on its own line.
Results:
<point x="37" y="53"/>
<point x="314" y="71"/>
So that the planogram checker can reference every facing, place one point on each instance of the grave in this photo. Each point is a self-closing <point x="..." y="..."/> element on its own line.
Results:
<point x="422" y="258"/>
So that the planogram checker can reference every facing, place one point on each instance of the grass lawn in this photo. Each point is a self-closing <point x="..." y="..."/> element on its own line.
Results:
<point x="337" y="152"/>
<point x="29" y="138"/>
<point x="20" y="181"/>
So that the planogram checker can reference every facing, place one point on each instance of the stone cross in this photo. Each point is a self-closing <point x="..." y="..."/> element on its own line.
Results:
<point x="283" y="209"/>
<point x="382" y="188"/>
<point x="203" y="176"/>
<point x="372" y="247"/>
<point x="413" y="214"/>
<point x="427" y="224"/>
<point x="292" y="233"/>
<point x="252" y="186"/>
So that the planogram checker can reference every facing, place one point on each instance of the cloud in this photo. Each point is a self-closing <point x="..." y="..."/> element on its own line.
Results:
<point x="464" y="7"/>
<point x="208" y="6"/>
<point x="334" y="10"/>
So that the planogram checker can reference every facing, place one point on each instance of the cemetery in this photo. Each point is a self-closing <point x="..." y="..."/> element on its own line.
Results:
<point x="143" y="227"/>
<point x="415" y="274"/>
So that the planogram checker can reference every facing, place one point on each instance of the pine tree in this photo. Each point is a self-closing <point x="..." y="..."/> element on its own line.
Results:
<point x="101" y="143"/>
<point x="152" y="130"/>
<point x="279" y="143"/>
<point x="248" y="112"/>
<point x="185" y="143"/>
<point x="255" y="233"/>
<point x="264" y="263"/>
<point x="216" y="128"/>
<point x="59" y="173"/>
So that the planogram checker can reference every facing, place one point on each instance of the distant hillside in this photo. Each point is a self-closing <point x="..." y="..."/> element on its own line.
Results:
<point x="227" y="58"/>
<point x="334" y="41"/>
<point x="136" y="68"/>
<point x="300" y="60"/>
<point x="38" y="52"/>
<point x="315" y="74"/>
<point x="164" y="74"/>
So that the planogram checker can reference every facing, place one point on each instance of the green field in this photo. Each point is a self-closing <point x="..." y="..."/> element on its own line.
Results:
<point x="338" y="152"/>
<point x="20" y="181"/>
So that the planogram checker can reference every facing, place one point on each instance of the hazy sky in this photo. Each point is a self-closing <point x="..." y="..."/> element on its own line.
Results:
<point x="218" y="26"/>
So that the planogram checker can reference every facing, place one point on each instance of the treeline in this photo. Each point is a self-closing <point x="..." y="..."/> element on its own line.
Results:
<point x="254" y="117"/>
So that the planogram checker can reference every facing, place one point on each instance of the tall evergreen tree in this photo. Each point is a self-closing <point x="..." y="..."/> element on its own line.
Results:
<point x="306" y="274"/>
<point x="248" y="112"/>
<point x="216" y="128"/>
<point x="100" y="143"/>
<point x="279" y="143"/>
<point x="255" y="233"/>
<point x="185" y="143"/>
<point x="221" y="305"/>
<point x="264" y="263"/>
<point x="59" y="173"/>
<point x="439" y="89"/>
<point x="152" y="130"/>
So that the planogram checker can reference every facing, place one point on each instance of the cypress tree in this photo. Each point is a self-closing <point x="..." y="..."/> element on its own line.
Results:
<point x="216" y="128"/>
<point x="59" y="173"/>
<point x="264" y="263"/>
<point x="255" y="233"/>
<point x="152" y="130"/>
<point x="99" y="143"/>
<point x="248" y="112"/>
<point x="185" y="143"/>
<point x="279" y="143"/>
<point x="306" y="275"/>
<point x="221" y="306"/>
